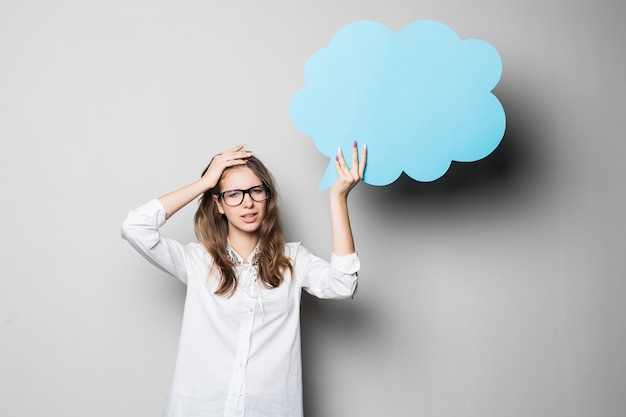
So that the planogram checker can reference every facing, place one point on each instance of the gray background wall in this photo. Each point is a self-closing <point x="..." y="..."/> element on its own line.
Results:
<point x="495" y="291"/>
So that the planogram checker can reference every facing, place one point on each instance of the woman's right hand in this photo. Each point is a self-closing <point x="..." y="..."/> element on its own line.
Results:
<point x="230" y="157"/>
<point x="175" y="200"/>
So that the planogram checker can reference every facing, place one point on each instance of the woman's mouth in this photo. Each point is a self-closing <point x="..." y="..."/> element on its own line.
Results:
<point x="249" y="218"/>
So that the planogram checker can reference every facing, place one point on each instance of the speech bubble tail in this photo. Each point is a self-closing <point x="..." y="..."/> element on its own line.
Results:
<point x="329" y="178"/>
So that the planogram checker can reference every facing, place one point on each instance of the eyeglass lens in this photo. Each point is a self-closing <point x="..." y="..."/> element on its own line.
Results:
<point x="235" y="197"/>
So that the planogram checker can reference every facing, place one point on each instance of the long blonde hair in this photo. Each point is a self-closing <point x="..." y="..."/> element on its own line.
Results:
<point x="211" y="229"/>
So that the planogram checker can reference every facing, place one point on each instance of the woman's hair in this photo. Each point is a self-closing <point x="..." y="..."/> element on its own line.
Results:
<point x="211" y="229"/>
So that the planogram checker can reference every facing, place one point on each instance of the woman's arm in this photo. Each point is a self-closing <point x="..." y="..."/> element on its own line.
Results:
<point x="175" y="200"/>
<point x="342" y="240"/>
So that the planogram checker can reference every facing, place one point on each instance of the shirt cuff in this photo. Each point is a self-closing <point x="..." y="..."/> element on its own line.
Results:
<point x="347" y="264"/>
<point x="153" y="210"/>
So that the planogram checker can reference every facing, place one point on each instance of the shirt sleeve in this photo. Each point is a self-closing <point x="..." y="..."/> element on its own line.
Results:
<point x="337" y="279"/>
<point x="141" y="230"/>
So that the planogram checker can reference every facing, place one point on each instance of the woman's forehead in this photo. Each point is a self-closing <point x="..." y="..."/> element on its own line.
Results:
<point x="239" y="178"/>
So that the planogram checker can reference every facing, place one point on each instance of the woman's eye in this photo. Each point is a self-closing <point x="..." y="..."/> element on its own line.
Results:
<point x="232" y="194"/>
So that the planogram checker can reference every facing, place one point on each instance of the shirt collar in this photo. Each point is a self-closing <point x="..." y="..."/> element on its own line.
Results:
<point x="236" y="259"/>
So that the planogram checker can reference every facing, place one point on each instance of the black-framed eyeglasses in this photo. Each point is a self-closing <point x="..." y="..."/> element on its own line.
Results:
<point x="233" y="198"/>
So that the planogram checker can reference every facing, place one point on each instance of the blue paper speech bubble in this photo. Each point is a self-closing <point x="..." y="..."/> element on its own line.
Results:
<point x="419" y="99"/>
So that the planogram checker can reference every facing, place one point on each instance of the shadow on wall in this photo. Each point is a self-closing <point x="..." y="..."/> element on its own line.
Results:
<point x="511" y="175"/>
<point x="331" y="325"/>
<point x="514" y="177"/>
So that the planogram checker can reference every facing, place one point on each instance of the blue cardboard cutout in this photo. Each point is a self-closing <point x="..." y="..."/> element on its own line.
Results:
<point x="419" y="99"/>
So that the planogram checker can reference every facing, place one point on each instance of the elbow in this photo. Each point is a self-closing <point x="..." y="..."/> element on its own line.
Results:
<point x="127" y="230"/>
<point x="132" y="231"/>
<point x="345" y="289"/>
<point x="139" y="235"/>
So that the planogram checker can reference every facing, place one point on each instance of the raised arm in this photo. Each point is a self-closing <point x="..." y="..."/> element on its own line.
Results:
<point x="342" y="240"/>
<point x="175" y="200"/>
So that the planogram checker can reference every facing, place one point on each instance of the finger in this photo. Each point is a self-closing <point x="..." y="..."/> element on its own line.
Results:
<point x="233" y="152"/>
<point x="340" y="162"/>
<point x="233" y="149"/>
<point x="239" y="157"/>
<point x="234" y="156"/>
<point x="355" y="157"/>
<point x="363" y="161"/>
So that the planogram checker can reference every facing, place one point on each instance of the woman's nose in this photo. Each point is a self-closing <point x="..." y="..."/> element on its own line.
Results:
<point x="247" y="200"/>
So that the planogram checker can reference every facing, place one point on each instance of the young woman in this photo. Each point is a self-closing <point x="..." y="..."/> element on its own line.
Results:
<point x="239" y="350"/>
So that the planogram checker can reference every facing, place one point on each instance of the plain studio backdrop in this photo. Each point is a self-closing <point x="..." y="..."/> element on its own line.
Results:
<point x="497" y="290"/>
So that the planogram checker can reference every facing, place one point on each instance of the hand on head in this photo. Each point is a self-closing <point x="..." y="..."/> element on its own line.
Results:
<point x="221" y="161"/>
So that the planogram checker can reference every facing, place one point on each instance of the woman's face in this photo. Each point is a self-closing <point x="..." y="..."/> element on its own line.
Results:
<point x="247" y="216"/>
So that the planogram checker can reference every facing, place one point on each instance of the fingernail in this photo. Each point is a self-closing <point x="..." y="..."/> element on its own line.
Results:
<point x="354" y="144"/>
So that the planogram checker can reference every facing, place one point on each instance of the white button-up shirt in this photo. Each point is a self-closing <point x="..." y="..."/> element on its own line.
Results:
<point x="238" y="355"/>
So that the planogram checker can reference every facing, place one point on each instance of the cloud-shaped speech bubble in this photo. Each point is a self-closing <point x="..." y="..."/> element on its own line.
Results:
<point x="420" y="99"/>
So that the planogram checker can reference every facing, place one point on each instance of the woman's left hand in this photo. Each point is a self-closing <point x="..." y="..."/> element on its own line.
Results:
<point x="349" y="177"/>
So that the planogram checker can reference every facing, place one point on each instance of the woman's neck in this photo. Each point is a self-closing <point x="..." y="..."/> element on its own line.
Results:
<point x="243" y="244"/>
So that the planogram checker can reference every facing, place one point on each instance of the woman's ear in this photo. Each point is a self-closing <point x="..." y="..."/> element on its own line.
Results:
<point x="218" y="203"/>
